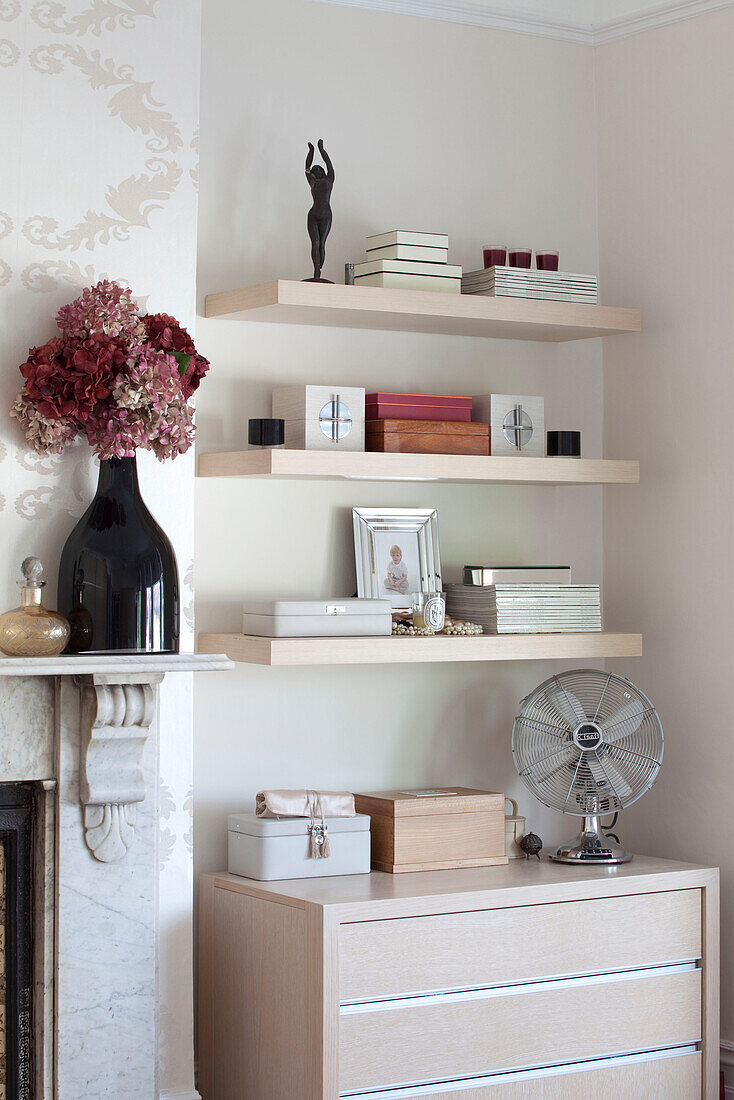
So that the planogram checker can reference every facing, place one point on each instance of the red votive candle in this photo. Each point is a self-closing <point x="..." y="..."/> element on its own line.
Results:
<point x="521" y="257"/>
<point x="495" y="257"/>
<point x="546" y="260"/>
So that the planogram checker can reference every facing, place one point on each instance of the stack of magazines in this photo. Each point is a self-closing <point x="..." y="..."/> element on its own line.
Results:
<point x="518" y="282"/>
<point x="527" y="608"/>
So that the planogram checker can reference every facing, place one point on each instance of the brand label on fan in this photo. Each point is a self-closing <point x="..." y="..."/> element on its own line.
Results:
<point x="597" y="853"/>
<point x="587" y="736"/>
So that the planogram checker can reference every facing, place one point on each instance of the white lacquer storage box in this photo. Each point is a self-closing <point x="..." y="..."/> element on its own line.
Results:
<point x="334" y="618"/>
<point x="321" y="418"/>
<point x="267" y="848"/>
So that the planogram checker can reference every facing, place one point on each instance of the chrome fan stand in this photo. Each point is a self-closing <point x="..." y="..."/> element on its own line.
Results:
<point x="591" y="846"/>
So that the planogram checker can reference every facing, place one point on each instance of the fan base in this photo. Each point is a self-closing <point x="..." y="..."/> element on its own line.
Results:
<point x="591" y="846"/>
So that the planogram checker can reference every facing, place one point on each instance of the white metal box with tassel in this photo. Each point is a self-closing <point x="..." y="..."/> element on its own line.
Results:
<point x="279" y="848"/>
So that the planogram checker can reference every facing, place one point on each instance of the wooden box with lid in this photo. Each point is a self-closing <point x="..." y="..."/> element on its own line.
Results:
<point x="427" y="437"/>
<point x="435" y="830"/>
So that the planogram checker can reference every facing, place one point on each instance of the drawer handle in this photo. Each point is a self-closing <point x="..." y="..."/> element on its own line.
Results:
<point x="566" y="1069"/>
<point x="485" y="992"/>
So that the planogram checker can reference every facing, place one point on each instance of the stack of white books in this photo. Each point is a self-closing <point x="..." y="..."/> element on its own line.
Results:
<point x="518" y="282"/>
<point x="527" y="608"/>
<point x="402" y="260"/>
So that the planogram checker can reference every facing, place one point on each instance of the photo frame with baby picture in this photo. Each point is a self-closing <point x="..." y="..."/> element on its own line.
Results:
<point x="396" y="553"/>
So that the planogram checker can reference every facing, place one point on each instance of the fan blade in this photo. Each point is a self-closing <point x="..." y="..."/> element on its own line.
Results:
<point x="543" y="769"/>
<point x="545" y="729"/>
<point x="621" y="786"/>
<point x="568" y="707"/>
<point x="608" y="777"/>
<point x="623" y="722"/>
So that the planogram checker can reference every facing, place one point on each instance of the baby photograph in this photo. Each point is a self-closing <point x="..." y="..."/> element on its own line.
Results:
<point x="398" y="570"/>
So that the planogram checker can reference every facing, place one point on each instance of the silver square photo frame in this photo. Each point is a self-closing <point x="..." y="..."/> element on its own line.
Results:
<point x="396" y="553"/>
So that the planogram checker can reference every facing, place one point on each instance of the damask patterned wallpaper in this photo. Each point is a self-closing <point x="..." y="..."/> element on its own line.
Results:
<point x="99" y="108"/>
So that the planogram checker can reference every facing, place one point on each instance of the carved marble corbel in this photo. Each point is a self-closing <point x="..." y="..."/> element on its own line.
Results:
<point x="115" y="724"/>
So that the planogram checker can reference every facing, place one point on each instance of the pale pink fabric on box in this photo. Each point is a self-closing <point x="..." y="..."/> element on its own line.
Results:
<point x="303" y="803"/>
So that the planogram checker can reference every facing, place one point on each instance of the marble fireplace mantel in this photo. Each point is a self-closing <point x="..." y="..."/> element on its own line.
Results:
<point x="84" y="731"/>
<point x="126" y="665"/>
<point x="118" y="704"/>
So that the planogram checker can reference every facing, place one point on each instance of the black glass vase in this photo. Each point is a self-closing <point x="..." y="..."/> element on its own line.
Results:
<point x="118" y="578"/>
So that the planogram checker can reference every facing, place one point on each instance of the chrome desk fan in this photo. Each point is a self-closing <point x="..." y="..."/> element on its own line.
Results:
<point x="588" y="743"/>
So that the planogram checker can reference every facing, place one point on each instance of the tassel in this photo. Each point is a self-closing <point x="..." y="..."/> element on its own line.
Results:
<point x="319" y="847"/>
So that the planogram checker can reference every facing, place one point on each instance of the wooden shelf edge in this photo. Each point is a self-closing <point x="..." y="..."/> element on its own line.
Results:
<point x="249" y="649"/>
<point x="290" y="302"/>
<point x="376" y="466"/>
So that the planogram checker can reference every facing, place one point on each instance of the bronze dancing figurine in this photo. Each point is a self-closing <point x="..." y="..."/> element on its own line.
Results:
<point x="319" y="216"/>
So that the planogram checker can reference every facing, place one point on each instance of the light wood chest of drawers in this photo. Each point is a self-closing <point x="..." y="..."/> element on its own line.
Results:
<point x="535" y="981"/>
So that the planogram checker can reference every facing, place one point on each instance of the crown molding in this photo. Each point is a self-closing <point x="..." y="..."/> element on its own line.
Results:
<point x="593" y="33"/>
<point x="613" y="29"/>
<point x="451" y="12"/>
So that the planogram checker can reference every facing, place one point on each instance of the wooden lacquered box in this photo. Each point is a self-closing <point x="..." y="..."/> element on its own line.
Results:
<point x="427" y="437"/>
<point x="417" y="406"/>
<point x="434" y="830"/>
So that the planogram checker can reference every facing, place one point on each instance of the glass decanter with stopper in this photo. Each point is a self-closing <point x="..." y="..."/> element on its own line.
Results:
<point x="31" y="630"/>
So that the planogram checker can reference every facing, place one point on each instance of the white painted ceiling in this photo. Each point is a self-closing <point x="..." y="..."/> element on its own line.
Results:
<point x="589" y="21"/>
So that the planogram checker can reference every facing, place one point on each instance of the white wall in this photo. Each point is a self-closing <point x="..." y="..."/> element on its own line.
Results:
<point x="97" y="179"/>
<point x="666" y="180"/>
<point x="481" y="134"/>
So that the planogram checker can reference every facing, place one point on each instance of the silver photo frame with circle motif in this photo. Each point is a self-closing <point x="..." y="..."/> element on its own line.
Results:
<point x="396" y="553"/>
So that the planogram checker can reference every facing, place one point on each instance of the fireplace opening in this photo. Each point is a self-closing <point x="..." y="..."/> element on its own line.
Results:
<point x="17" y="815"/>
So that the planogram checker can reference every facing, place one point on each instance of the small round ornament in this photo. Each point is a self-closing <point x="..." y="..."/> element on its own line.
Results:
<point x="531" y="845"/>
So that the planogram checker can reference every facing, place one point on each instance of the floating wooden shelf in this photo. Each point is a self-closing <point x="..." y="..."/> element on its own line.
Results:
<point x="248" y="649"/>
<point x="374" y="466"/>
<point x="338" y="306"/>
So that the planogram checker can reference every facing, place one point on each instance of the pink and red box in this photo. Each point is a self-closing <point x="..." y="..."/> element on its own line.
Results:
<point x="416" y="406"/>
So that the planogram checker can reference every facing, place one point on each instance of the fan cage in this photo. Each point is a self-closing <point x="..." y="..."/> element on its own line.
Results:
<point x="607" y="778"/>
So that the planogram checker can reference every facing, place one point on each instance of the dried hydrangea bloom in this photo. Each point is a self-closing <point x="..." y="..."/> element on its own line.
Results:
<point x="173" y="431"/>
<point x="115" y="433"/>
<point x="45" y="435"/>
<point x="164" y="332"/>
<point x="107" y="308"/>
<point x="118" y="433"/>
<point x="153" y="379"/>
<point x="120" y="379"/>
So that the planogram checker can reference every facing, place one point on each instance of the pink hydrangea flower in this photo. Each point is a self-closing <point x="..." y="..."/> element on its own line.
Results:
<point x="164" y="332"/>
<point x="120" y="379"/>
<point x="47" y="435"/>
<point x="106" y="307"/>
